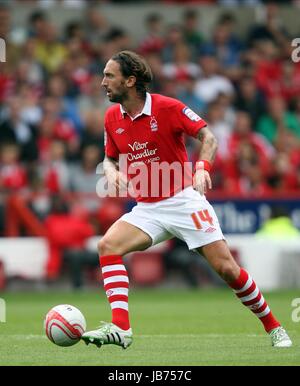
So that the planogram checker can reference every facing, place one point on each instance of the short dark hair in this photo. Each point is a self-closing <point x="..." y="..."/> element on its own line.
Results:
<point x="133" y="64"/>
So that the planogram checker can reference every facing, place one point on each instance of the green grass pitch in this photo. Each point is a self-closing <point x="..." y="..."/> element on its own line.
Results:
<point x="171" y="327"/>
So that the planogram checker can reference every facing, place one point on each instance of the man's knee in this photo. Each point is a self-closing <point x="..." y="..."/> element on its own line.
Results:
<point x="108" y="246"/>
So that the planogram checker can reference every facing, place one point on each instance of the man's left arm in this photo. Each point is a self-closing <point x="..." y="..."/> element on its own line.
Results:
<point x="209" y="146"/>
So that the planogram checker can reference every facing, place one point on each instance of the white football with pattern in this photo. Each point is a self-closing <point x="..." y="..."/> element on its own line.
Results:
<point x="64" y="324"/>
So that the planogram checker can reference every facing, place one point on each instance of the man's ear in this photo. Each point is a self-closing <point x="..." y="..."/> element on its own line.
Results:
<point x="130" y="81"/>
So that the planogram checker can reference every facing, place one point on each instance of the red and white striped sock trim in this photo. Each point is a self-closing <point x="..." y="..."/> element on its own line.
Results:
<point x="249" y="294"/>
<point x="116" y="284"/>
<point x="252" y="298"/>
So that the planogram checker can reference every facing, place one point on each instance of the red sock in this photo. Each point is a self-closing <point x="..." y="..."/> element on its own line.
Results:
<point x="250" y="295"/>
<point x="116" y="286"/>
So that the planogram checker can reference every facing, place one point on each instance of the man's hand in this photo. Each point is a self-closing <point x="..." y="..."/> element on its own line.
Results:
<point x="202" y="181"/>
<point x="117" y="179"/>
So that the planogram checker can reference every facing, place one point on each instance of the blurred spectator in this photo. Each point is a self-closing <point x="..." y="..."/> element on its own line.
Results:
<point x="220" y="128"/>
<point x="84" y="178"/>
<point x="58" y="89"/>
<point x="267" y="69"/>
<point x="49" y="51"/>
<point x="296" y="183"/>
<point x="37" y="24"/>
<point x="92" y="97"/>
<point x="5" y="17"/>
<point x="52" y="126"/>
<point x="289" y="81"/>
<point x="153" y="42"/>
<point x="225" y="101"/>
<point x="31" y="111"/>
<point x="277" y="119"/>
<point x="181" y="68"/>
<point x="67" y="235"/>
<point x="225" y="45"/>
<point x="211" y="84"/>
<point x="191" y="31"/>
<point x="93" y="133"/>
<point x="279" y="225"/>
<point x="246" y="148"/>
<point x="96" y="28"/>
<point x="29" y="69"/>
<point x="116" y="39"/>
<point x="14" y="129"/>
<point x="249" y="99"/>
<point x="156" y="64"/>
<point x="246" y="170"/>
<point x="297" y="107"/>
<point x="13" y="175"/>
<point x="243" y="133"/>
<point x="271" y="28"/>
<point x="187" y="95"/>
<point x="174" y="37"/>
<point x="56" y="172"/>
<point x="282" y="176"/>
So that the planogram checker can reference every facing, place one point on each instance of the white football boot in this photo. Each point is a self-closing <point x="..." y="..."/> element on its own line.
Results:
<point x="280" y="338"/>
<point x="108" y="333"/>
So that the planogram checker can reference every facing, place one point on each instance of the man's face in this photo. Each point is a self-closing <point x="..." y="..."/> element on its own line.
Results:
<point x="114" y="82"/>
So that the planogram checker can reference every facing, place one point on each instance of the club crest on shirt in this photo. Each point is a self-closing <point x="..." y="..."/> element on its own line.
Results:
<point x="153" y="124"/>
<point x="191" y="114"/>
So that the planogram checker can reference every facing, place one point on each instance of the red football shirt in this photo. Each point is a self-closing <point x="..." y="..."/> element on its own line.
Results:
<point x="153" y="144"/>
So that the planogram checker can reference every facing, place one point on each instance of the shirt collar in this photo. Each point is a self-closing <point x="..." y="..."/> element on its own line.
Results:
<point x="146" y="109"/>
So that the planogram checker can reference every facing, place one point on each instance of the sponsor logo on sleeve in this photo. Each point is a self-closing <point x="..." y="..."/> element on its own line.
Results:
<point x="191" y="114"/>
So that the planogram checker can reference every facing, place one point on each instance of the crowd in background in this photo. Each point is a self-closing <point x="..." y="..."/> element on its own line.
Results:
<point x="85" y="3"/>
<point x="52" y="105"/>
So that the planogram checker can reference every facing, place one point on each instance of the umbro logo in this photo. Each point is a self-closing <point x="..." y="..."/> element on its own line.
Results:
<point x="119" y="130"/>
<point x="210" y="230"/>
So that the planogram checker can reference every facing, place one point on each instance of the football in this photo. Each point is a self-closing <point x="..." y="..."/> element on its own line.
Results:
<point x="64" y="324"/>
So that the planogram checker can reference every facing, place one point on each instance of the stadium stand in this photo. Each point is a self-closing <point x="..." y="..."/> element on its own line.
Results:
<point x="51" y="104"/>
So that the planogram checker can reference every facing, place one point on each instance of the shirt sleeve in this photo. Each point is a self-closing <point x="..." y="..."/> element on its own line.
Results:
<point x="188" y="121"/>
<point x="111" y="149"/>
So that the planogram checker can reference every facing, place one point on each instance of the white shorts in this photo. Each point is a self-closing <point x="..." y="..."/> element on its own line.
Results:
<point x="187" y="216"/>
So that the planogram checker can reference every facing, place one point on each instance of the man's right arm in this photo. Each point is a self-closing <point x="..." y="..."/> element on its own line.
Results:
<point x="109" y="164"/>
<point x="113" y="175"/>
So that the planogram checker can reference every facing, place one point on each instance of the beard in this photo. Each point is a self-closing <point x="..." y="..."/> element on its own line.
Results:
<point x="119" y="96"/>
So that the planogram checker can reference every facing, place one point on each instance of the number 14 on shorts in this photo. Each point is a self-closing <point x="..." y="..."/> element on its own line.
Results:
<point x="201" y="216"/>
